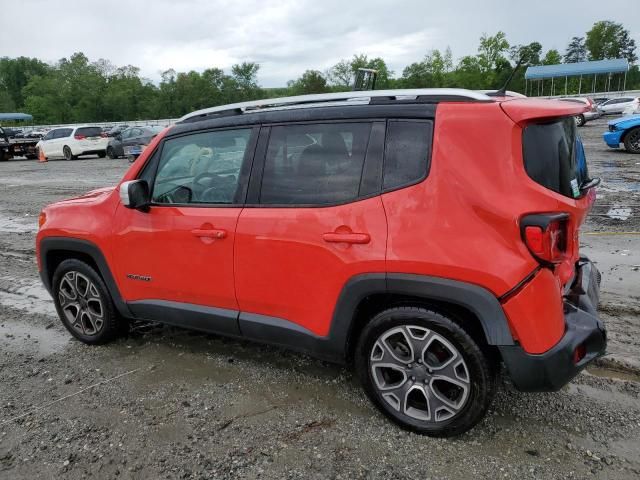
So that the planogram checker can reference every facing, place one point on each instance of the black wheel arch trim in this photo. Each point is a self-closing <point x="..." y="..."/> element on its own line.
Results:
<point x="85" y="247"/>
<point x="478" y="300"/>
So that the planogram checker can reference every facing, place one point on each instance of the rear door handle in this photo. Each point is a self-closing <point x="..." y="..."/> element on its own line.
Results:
<point x="358" y="238"/>
<point x="209" y="233"/>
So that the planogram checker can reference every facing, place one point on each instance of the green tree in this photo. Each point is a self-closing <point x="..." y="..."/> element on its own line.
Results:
<point x="342" y="74"/>
<point x="311" y="81"/>
<point x="491" y="50"/>
<point x="15" y="74"/>
<point x="529" y="54"/>
<point x="576" y="51"/>
<point x="608" y="39"/>
<point x="432" y="71"/>
<point x="6" y="102"/>
<point x="552" y="57"/>
<point x="470" y="74"/>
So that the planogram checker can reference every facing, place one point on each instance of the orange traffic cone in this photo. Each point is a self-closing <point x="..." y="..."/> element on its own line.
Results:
<point x="41" y="157"/>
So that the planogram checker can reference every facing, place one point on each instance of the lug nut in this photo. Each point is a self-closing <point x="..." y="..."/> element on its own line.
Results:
<point x="410" y="365"/>
<point x="413" y="379"/>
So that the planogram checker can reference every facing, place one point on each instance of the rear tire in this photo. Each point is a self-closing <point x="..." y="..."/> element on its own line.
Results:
<point x="68" y="155"/>
<point x="632" y="140"/>
<point x="102" y="154"/>
<point x="84" y="303"/>
<point x="580" y="120"/>
<point x="424" y="372"/>
<point x="3" y="157"/>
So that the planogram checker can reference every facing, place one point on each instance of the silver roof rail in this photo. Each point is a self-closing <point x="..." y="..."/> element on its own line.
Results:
<point x="508" y="93"/>
<point x="339" y="98"/>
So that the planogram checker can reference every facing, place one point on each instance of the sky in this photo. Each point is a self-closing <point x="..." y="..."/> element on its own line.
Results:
<point x="288" y="37"/>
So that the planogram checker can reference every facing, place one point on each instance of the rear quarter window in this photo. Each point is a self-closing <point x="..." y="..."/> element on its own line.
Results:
<point x="407" y="152"/>
<point x="554" y="156"/>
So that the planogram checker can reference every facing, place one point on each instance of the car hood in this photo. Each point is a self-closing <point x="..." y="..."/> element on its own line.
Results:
<point x="93" y="195"/>
<point x="625" y="122"/>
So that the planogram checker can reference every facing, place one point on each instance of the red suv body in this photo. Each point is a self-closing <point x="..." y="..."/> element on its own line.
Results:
<point x="425" y="236"/>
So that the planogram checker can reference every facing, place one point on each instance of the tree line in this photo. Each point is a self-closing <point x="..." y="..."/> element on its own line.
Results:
<point x="76" y="89"/>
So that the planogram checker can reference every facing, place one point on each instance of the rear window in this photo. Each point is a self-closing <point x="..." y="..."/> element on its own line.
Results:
<point x="89" y="131"/>
<point x="554" y="156"/>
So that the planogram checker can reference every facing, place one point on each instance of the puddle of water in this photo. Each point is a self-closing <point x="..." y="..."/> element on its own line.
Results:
<point x="26" y="295"/>
<point x="18" y="225"/>
<point x="620" y="213"/>
<point x="23" y="338"/>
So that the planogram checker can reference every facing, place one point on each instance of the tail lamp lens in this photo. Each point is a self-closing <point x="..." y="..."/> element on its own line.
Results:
<point x="547" y="239"/>
<point x="579" y="353"/>
<point x="79" y="137"/>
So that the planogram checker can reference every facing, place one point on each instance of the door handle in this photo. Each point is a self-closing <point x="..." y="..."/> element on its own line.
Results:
<point x="209" y="233"/>
<point x="358" y="238"/>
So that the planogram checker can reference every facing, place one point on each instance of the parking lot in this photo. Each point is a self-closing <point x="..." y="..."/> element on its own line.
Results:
<point x="176" y="404"/>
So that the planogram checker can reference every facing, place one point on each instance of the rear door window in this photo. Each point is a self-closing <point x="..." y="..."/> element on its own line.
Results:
<point x="554" y="156"/>
<point x="314" y="164"/>
<point x="407" y="152"/>
<point x="62" y="132"/>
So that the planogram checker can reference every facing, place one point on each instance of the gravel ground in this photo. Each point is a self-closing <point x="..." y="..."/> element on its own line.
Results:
<point x="175" y="404"/>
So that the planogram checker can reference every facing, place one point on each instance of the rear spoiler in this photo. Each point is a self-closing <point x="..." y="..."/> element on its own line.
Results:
<point x="523" y="110"/>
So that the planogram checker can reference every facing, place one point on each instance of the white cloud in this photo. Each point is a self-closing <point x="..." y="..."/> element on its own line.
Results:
<point x="287" y="37"/>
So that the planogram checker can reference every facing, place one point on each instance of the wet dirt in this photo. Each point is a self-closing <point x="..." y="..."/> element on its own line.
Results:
<point x="202" y="406"/>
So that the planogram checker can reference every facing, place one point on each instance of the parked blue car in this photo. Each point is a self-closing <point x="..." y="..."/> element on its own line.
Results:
<point x="624" y="130"/>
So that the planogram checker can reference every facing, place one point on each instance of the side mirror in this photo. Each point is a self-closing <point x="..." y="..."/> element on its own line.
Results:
<point x="135" y="194"/>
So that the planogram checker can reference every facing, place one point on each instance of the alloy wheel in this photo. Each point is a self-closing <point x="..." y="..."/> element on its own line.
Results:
<point x="81" y="303"/>
<point x="419" y="373"/>
<point x="634" y="140"/>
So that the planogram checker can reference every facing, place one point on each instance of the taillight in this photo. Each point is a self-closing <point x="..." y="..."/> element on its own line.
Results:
<point x="103" y="135"/>
<point x="579" y="353"/>
<point x="547" y="236"/>
<point x="79" y="137"/>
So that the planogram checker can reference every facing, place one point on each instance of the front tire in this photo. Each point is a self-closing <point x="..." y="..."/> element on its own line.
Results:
<point x="632" y="140"/>
<point x="111" y="153"/>
<point x="424" y="372"/>
<point x="84" y="304"/>
<point x="102" y="154"/>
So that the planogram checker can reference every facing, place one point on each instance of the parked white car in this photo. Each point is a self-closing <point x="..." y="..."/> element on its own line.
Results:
<point x="591" y="114"/>
<point x="71" y="142"/>
<point x="633" y="108"/>
<point x="616" y="105"/>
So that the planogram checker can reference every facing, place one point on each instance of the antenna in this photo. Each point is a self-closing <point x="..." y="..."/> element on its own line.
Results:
<point x="503" y="91"/>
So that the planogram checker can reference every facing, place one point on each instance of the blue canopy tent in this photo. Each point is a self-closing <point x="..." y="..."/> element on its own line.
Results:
<point x="540" y="73"/>
<point x="14" y="117"/>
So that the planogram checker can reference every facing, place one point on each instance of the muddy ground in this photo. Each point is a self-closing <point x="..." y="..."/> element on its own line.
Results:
<point x="187" y="405"/>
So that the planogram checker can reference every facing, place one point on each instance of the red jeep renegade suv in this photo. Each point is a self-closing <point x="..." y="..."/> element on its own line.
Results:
<point x="424" y="236"/>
